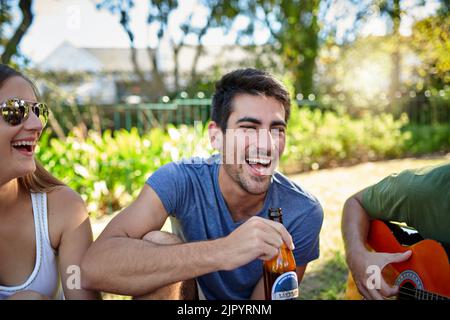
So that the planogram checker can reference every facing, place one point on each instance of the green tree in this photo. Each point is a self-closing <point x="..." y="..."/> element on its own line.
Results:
<point x="431" y="41"/>
<point x="394" y="11"/>
<point x="294" y="29"/>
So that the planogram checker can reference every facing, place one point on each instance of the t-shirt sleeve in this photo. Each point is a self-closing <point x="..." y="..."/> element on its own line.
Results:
<point x="305" y="233"/>
<point x="390" y="199"/>
<point x="170" y="182"/>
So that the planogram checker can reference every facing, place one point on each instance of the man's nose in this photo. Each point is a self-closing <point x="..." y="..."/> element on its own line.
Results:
<point x="266" y="140"/>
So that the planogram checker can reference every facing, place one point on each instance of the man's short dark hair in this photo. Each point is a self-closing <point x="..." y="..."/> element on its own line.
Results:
<point x="245" y="81"/>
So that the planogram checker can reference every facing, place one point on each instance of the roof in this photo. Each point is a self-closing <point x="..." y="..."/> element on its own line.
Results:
<point x="67" y="57"/>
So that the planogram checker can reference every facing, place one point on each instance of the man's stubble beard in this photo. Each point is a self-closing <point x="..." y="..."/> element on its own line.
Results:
<point x="238" y="176"/>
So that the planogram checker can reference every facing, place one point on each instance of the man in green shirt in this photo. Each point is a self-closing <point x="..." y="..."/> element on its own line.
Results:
<point x="420" y="198"/>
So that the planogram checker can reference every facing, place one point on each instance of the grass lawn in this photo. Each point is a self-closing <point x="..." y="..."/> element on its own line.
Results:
<point x="326" y="277"/>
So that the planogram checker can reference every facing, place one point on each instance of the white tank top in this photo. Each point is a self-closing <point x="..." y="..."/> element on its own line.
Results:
<point x="45" y="277"/>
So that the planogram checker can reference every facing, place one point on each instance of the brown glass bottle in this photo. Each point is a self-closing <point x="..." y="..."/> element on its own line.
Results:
<point x="280" y="277"/>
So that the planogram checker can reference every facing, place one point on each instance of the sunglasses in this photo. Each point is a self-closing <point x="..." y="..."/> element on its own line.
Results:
<point x="16" y="111"/>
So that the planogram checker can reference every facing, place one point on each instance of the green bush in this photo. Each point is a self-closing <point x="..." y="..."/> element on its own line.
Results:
<point x="427" y="139"/>
<point x="318" y="139"/>
<point x="109" y="170"/>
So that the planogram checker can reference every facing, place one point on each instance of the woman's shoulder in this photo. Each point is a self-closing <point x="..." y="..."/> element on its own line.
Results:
<point x="66" y="212"/>
<point x="65" y="198"/>
<point x="66" y="207"/>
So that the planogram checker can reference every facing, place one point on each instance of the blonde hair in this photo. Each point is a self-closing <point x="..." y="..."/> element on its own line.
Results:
<point x="40" y="180"/>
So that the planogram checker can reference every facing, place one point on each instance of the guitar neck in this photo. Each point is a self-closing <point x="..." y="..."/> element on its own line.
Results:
<point x="406" y="293"/>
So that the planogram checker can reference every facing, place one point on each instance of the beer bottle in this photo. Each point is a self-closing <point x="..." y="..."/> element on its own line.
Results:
<point x="280" y="276"/>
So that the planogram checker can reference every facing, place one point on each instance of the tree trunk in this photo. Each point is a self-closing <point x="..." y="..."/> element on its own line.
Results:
<point x="157" y="79"/>
<point x="395" y="56"/>
<point x="136" y="68"/>
<point x="13" y="43"/>
<point x="176" y="71"/>
<point x="200" y="49"/>
<point x="300" y="44"/>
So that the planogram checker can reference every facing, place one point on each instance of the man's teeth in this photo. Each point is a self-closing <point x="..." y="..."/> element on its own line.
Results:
<point x="23" y="143"/>
<point x="264" y="162"/>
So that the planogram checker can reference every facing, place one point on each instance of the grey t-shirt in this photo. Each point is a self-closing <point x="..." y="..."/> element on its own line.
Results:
<point x="189" y="191"/>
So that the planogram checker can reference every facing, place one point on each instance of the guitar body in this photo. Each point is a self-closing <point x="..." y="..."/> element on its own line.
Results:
<point x="425" y="275"/>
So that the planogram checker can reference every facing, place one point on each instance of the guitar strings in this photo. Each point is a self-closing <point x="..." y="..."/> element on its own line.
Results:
<point x="418" y="292"/>
<point x="423" y="298"/>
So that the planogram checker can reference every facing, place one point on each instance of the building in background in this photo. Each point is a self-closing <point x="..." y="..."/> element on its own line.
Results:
<point x="111" y="77"/>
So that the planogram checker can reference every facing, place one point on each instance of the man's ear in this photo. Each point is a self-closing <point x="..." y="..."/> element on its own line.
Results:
<point x="215" y="135"/>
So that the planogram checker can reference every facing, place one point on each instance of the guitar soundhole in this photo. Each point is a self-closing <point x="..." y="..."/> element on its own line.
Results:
<point x="410" y="285"/>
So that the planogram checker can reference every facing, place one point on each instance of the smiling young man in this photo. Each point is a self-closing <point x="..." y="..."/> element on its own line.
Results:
<point x="219" y="208"/>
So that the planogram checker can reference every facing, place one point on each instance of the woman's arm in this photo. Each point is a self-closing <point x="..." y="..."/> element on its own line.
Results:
<point x="69" y="211"/>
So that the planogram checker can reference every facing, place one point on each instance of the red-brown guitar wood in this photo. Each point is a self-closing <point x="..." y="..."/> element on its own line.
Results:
<point x="424" y="276"/>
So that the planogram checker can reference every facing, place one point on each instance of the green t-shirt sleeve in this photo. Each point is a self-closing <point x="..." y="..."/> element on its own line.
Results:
<point x="419" y="197"/>
<point x="387" y="200"/>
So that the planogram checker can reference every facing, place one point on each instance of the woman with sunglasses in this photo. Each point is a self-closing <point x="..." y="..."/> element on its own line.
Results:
<point x="44" y="225"/>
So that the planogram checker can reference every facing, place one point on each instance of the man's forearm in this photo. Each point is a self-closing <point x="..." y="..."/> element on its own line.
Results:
<point x="137" y="267"/>
<point x="355" y="226"/>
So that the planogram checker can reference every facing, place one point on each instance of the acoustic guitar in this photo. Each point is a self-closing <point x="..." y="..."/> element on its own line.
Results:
<point x="424" y="276"/>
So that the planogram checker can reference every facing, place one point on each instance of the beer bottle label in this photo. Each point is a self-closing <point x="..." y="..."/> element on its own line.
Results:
<point x="285" y="286"/>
